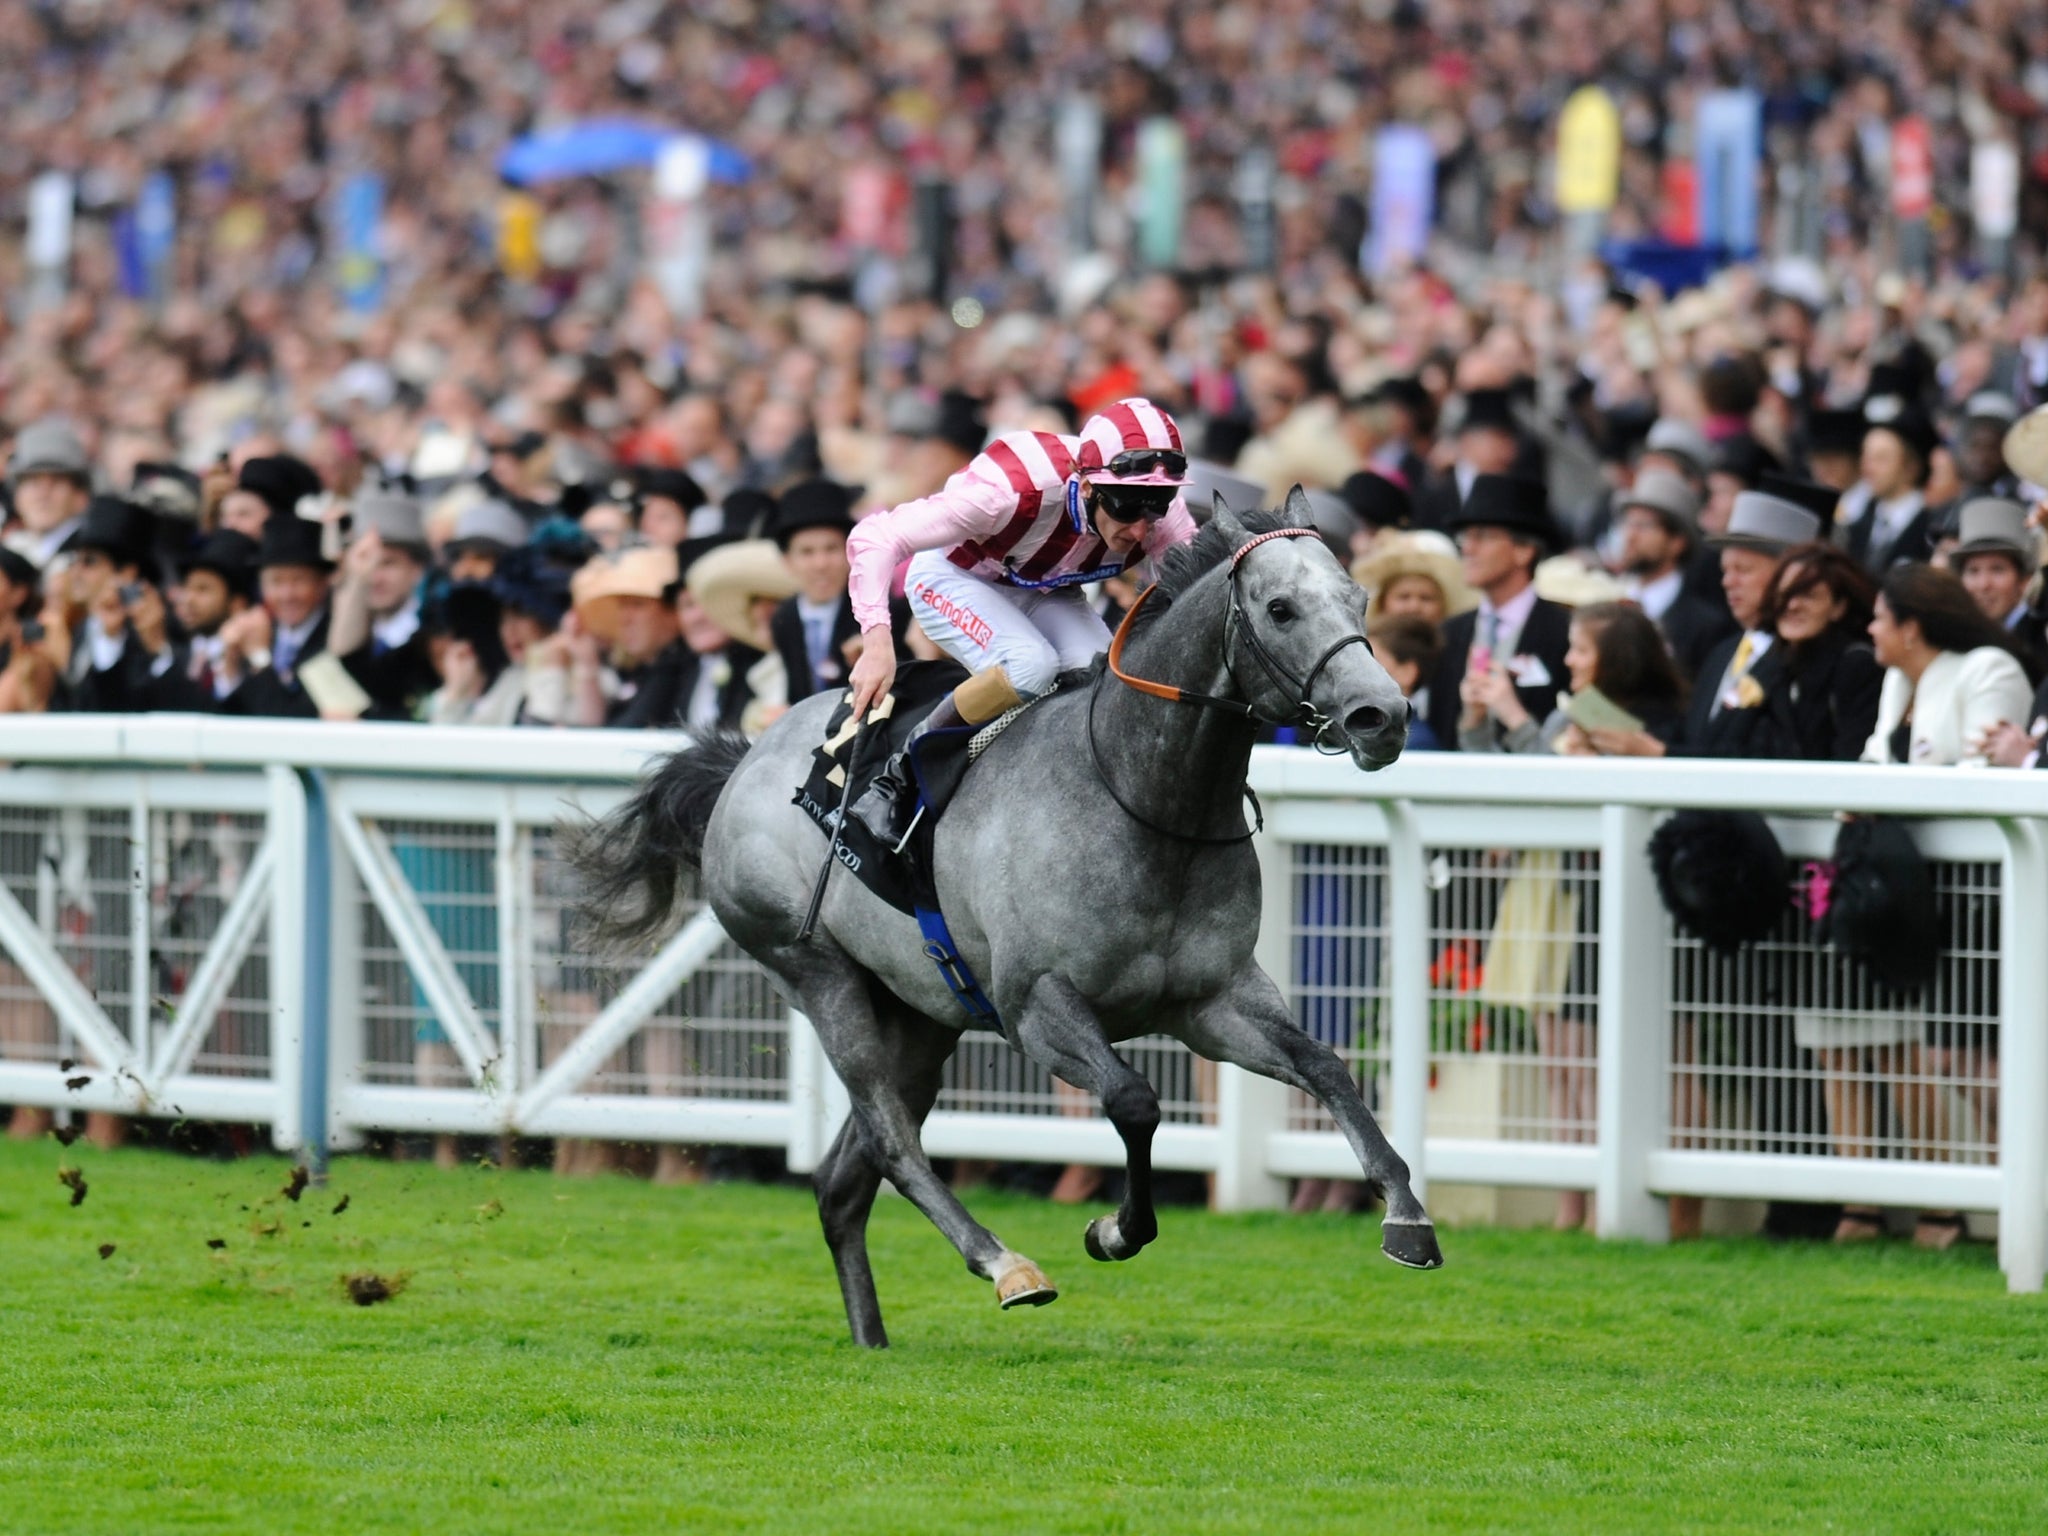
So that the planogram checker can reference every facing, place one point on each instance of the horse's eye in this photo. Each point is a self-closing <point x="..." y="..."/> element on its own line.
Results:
<point x="1281" y="610"/>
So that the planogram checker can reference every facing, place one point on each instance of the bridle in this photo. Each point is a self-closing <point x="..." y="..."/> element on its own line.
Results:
<point x="1236" y="624"/>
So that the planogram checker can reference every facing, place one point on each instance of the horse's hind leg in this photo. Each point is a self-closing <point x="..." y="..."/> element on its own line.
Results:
<point x="868" y="1052"/>
<point x="846" y="1182"/>
<point x="1249" y="1027"/>
<point x="1057" y="1029"/>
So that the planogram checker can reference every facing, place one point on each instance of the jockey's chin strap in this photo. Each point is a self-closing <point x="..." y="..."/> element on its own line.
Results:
<point x="1234" y="625"/>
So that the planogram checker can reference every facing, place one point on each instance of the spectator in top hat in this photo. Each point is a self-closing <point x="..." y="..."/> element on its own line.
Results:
<point x="1659" y="536"/>
<point x="262" y="649"/>
<point x="216" y="584"/>
<point x="815" y="631"/>
<point x="50" y="478"/>
<point x="1488" y="443"/>
<point x="1834" y="447"/>
<point x="1514" y="640"/>
<point x="485" y="532"/>
<point x="267" y="486"/>
<point x="664" y="502"/>
<point x="1380" y="503"/>
<point x="1995" y="560"/>
<point x="111" y="592"/>
<point x="1892" y="521"/>
<point x="377" y="604"/>
<point x="1761" y="528"/>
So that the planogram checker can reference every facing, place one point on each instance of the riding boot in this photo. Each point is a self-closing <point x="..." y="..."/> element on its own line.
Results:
<point x="884" y="808"/>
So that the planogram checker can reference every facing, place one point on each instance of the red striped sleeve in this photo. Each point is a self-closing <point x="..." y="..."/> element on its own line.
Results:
<point x="1029" y="500"/>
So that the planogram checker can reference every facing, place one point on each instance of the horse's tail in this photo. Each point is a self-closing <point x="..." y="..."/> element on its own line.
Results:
<point x="630" y="862"/>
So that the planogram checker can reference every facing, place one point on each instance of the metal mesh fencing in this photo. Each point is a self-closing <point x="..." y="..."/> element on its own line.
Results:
<point x="1791" y="1047"/>
<point x="198" y="861"/>
<point x="985" y="1076"/>
<point x="1337" y="944"/>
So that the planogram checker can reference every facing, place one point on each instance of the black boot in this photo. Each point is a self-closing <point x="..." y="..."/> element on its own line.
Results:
<point x="885" y="807"/>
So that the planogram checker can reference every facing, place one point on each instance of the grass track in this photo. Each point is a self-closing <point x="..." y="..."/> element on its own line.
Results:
<point x="610" y="1357"/>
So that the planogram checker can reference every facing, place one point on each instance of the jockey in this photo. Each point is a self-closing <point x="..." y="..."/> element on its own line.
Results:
<point x="997" y="560"/>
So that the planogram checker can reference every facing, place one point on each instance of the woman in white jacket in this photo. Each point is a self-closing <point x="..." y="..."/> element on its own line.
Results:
<point x="1951" y="675"/>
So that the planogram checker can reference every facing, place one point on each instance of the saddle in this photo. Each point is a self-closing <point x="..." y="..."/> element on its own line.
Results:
<point x="939" y="761"/>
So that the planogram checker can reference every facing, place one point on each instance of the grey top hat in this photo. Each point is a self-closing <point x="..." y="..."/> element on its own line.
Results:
<point x="397" y="518"/>
<point x="50" y="448"/>
<point x="1681" y="439"/>
<point x="1661" y="492"/>
<point x="1992" y="525"/>
<point x="1768" y="523"/>
<point x="490" y="522"/>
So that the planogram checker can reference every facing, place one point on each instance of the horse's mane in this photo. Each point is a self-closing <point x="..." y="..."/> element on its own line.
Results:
<point x="1185" y="564"/>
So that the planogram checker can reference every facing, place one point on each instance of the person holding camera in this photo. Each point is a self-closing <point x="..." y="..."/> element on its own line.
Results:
<point x="27" y="675"/>
<point x="119" y="621"/>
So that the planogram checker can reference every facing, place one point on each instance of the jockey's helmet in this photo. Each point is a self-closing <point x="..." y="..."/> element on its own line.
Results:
<point x="1131" y="442"/>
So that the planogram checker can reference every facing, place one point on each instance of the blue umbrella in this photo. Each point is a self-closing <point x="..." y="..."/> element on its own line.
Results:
<point x="601" y="145"/>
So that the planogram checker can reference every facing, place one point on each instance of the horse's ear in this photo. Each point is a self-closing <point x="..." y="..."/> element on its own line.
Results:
<point x="1221" y="517"/>
<point x="1299" y="513"/>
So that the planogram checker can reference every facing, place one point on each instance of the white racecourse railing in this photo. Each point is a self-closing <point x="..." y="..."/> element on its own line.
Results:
<point x="335" y="929"/>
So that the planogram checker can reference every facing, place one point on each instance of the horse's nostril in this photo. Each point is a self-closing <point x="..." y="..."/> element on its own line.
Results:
<point x="1369" y="720"/>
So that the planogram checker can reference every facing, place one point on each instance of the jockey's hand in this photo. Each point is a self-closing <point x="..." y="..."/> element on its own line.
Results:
<point x="875" y="673"/>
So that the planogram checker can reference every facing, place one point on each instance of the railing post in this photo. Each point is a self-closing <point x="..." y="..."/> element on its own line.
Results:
<point x="298" y="969"/>
<point x="1251" y="1109"/>
<point x="2023" y="1059"/>
<point x="1634" y="1029"/>
<point x="1408" y="911"/>
<point x="817" y="1100"/>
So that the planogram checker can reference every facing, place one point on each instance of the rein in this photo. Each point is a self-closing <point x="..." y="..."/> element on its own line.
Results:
<point x="1234" y="625"/>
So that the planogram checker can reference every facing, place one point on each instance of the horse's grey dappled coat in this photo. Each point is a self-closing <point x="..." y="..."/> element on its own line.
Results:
<point x="1084" y="927"/>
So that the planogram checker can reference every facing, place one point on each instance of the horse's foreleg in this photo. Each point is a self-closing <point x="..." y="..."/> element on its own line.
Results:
<point x="1057" y="1029"/>
<point x="1249" y="1026"/>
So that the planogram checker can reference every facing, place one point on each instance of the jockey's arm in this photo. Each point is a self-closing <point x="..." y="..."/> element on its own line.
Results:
<point x="1177" y="527"/>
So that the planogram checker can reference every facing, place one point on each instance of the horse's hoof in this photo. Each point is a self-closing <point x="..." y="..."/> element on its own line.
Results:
<point x="1024" y="1285"/>
<point x="1104" y="1243"/>
<point x="1411" y="1243"/>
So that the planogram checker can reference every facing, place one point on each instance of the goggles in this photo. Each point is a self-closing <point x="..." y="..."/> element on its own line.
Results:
<point x="1130" y="503"/>
<point x="1135" y="463"/>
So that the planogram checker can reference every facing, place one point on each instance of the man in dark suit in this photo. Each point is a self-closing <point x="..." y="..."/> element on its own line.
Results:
<point x="263" y="648"/>
<point x="1503" y="529"/>
<point x="1657" y="520"/>
<point x="812" y="629"/>
<point x="1489" y="442"/>
<point x="699" y="681"/>
<point x="108" y="583"/>
<point x="1898" y="451"/>
<point x="377" y="602"/>
<point x="165" y="669"/>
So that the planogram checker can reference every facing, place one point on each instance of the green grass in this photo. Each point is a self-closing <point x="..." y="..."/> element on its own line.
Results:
<point x="607" y="1356"/>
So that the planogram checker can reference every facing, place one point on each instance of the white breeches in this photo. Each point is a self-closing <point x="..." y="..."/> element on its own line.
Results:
<point x="1033" y="636"/>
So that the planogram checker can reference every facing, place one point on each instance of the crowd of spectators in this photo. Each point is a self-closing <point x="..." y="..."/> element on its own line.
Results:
<point x="1767" y="516"/>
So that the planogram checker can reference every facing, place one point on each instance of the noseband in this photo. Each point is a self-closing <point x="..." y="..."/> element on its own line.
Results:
<point x="1236" y="624"/>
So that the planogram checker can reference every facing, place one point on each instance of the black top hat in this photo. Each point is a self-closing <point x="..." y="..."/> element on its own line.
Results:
<point x="1834" y="431"/>
<point x="1378" y="501"/>
<point x="1522" y="507"/>
<point x="1906" y="419"/>
<point x="749" y="513"/>
<point x="292" y="540"/>
<point x="1491" y="408"/>
<point x="18" y="569"/>
<point x="675" y="485"/>
<point x="688" y="553"/>
<point x="813" y="504"/>
<point x="1818" y="499"/>
<point x="279" y="480"/>
<point x="228" y="554"/>
<point x="119" y="529"/>
<point x="1743" y="457"/>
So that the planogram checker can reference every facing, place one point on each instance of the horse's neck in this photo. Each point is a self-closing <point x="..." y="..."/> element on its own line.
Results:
<point x="1182" y="765"/>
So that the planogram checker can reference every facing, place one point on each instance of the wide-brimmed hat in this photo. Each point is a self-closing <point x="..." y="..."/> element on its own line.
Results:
<point x="813" y="504"/>
<point x="1378" y="501"/>
<point x="396" y="518"/>
<point x="1425" y="554"/>
<point x="292" y="540"/>
<point x="1570" y="582"/>
<point x="1674" y="502"/>
<point x="49" y="448"/>
<point x="727" y="580"/>
<point x="1768" y="523"/>
<point x="230" y="555"/>
<point x="279" y="481"/>
<point x="1522" y="507"/>
<point x="119" y="529"/>
<point x="1992" y="525"/>
<point x="2025" y="448"/>
<point x="598" y="589"/>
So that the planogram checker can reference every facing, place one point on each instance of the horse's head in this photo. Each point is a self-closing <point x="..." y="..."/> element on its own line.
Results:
<point x="1296" y="646"/>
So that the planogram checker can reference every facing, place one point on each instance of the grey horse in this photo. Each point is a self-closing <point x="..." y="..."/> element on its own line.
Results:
<point x="1095" y="873"/>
